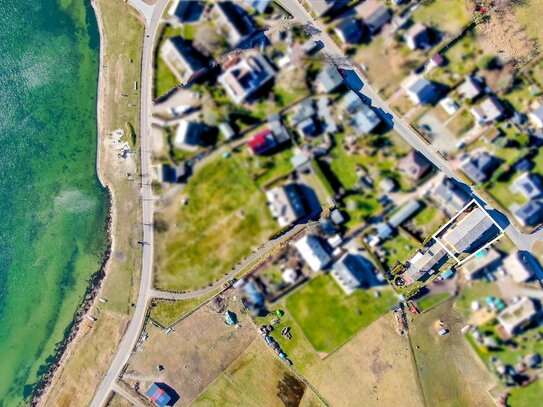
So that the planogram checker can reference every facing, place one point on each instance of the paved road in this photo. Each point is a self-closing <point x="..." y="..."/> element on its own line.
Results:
<point x="360" y="85"/>
<point x="264" y="250"/>
<point x="132" y="333"/>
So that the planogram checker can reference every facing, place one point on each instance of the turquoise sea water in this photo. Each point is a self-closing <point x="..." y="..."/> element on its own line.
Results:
<point x="52" y="208"/>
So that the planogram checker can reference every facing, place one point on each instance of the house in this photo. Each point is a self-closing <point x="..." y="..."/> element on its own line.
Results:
<point x="414" y="165"/>
<point x="425" y="261"/>
<point x="529" y="185"/>
<point x="419" y="90"/>
<point x="158" y="395"/>
<point x="244" y="78"/>
<point x="322" y="8"/>
<point x="188" y="135"/>
<point x="262" y="143"/>
<point x="518" y="316"/>
<point x="351" y="101"/>
<point x="313" y="253"/>
<point x="365" y="120"/>
<point x="488" y="111"/>
<point x="183" y="11"/>
<point x="286" y="204"/>
<point x="520" y="266"/>
<point x="172" y="174"/>
<point x="471" y="232"/>
<point x="536" y="117"/>
<point x="417" y="37"/>
<point x="435" y="61"/>
<point x="530" y="214"/>
<point x="323" y="109"/>
<point x="350" y="30"/>
<point x="329" y="79"/>
<point x="450" y="196"/>
<point x="471" y="87"/>
<point x="234" y="22"/>
<point x="387" y="185"/>
<point x="258" y="5"/>
<point x="352" y="272"/>
<point x="449" y="105"/>
<point x="484" y="261"/>
<point x="480" y="166"/>
<point x="279" y="131"/>
<point x="227" y="131"/>
<point x="305" y="118"/>
<point x="404" y="213"/>
<point x="182" y="58"/>
<point x="290" y="275"/>
<point x="374" y="14"/>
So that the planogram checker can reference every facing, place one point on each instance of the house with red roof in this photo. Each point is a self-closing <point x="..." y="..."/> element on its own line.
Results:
<point x="262" y="142"/>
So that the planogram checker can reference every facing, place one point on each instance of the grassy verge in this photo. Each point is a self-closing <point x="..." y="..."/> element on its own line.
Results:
<point x="429" y="301"/>
<point x="329" y="318"/>
<point x="167" y="312"/>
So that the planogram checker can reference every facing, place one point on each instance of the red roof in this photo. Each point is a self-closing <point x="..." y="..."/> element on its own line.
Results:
<point x="260" y="142"/>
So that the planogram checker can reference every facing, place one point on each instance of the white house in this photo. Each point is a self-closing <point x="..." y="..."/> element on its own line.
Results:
<point x="313" y="253"/>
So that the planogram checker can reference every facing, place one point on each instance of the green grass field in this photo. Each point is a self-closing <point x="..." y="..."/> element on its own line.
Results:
<point x="329" y="318"/>
<point x="446" y="15"/>
<point x="478" y="291"/>
<point x="167" y="312"/>
<point x="530" y="395"/>
<point x="399" y="248"/>
<point x="429" y="301"/>
<point x="225" y="219"/>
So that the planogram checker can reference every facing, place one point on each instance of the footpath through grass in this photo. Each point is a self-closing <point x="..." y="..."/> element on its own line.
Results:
<point x="329" y="318"/>
<point x="225" y="218"/>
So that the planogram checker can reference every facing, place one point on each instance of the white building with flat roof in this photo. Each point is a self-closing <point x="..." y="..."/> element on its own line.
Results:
<point x="313" y="253"/>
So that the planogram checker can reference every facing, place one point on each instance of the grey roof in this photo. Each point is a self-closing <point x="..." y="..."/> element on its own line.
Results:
<point x="351" y="101"/>
<point x="258" y="5"/>
<point x="322" y="7"/>
<point x="414" y="164"/>
<point x="471" y="87"/>
<point x="529" y="185"/>
<point x="450" y="195"/>
<point x="474" y="229"/>
<point x="365" y="120"/>
<point x="306" y="110"/>
<point x="426" y="259"/>
<point x="351" y="29"/>
<point x="280" y="134"/>
<point x="423" y="89"/>
<point x="404" y="213"/>
<point x="351" y="272"/>
<point x="329" y="78"/>
<point x="515" y="315"/>
<point x="286" y="204"/>
<point x="374" y="14"/>
<point x="480" y="167"/>
<point x="538" y="112"/>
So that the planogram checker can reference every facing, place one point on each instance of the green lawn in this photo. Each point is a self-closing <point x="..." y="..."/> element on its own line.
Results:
<point x="428" y="219"/>
<point x="164" y="78"/>
<point x="167" y="312"/>
<point x="478" y="291"/>
<point x="399" y="248"/>
<point x="329" y="318"/>
<point x="525" y="13"/>
<point x="461" y="123"/>
<point x="360" y="207"/>
<point x="429" y="301"/>
<point x="269" y="168"/>
<point x="530" y="395"/>
<point x="445" y="15"/>
<point x="225" y="219"/>
<point x="501" y="192"/>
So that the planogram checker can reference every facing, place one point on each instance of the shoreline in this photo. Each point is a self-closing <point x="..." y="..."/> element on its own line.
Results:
<point x="73" y="330"/>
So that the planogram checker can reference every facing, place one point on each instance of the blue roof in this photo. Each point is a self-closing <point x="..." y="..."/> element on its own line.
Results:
<point x="158" y="395"/>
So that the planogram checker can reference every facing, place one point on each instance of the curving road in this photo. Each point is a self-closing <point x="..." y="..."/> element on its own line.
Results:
<point x="358" y="83"/>
<point x="152" y="16"/>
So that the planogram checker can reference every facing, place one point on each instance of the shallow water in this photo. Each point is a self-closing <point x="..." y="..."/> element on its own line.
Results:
<point x="53" y="210"/>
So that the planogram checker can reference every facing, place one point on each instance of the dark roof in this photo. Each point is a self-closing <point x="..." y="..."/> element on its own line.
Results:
<point x="352" y="29"/>
<point x="237" y="17"/>
<point x="415" y="165"/>
<point x="193" y="58"/>
<point x="481" y="167"/>
<point x="530" y="214"/>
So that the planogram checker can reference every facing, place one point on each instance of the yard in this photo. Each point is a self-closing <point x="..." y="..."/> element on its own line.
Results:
<point x="398" y="248"/>
<point x="428" y="219"/>
<point x="431" y="300"/>
<point x="452" y="21"/>
<point x="461" y="380"/>
<point x="329" y="318"/>
<point x="226" y="217"/>
<point x="461" y="123"/>
<point x="530" y="395"/>
<point x="477" y="291"/>
<point x="164" y="79"/>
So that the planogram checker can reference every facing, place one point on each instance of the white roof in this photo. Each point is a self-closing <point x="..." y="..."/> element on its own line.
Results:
<point x="517" y="267"/>
<point x="312" y="252"/>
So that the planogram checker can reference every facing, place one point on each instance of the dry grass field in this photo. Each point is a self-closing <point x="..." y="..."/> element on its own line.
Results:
<point x="198" y="350"/>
